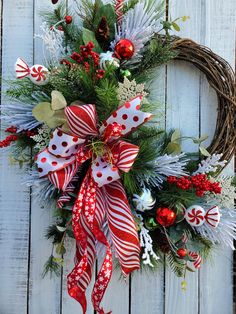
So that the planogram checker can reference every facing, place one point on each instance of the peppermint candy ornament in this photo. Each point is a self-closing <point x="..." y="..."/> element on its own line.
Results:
<point x="196" y="216"/>
<point x="38" y="74"/>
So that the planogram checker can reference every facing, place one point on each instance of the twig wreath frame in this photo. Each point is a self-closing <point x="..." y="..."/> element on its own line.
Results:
<point x="221" y="78"/>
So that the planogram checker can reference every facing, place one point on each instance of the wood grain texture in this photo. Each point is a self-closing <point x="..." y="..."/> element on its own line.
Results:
<point x="190" y="106"/>
<point x="45" y="293"/>
<point x="183" y="98"/>
<point x="14" y="198"/>
<point x="216" y="277"/>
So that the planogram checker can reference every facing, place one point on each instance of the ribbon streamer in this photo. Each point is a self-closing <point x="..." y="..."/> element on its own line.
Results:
<point x="101" y="197"/>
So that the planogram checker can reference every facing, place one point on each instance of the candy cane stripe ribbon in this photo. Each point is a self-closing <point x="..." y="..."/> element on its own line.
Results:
<point x="101" y="196"/>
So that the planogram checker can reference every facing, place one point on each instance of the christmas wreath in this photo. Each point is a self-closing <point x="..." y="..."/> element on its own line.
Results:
<point x="85" y="126"/>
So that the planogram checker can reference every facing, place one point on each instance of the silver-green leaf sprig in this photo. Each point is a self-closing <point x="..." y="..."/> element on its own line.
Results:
<point x="52" y="114"/>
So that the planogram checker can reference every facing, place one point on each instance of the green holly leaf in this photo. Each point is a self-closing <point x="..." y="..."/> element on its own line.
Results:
<point x="90" y="36"/>
<point x="58" y="100"/>
<point x="43" y="111"/>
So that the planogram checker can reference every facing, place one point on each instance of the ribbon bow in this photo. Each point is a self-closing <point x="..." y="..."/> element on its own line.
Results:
<point x="101" y="199"/>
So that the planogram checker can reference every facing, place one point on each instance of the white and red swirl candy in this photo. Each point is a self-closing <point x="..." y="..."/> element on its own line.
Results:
<point x="38" y="73"/>
<point x="101" y="194"/>
<point x="196" y="216"/>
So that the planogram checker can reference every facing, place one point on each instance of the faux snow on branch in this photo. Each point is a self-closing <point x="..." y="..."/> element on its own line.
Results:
<point x="53" y="43"/>
<point x="146" y="243"/>
<point x="20" y="115"/>
<point x="165" y="166"/>
<point x="225" y="233"/>
<point x="210" y="164"/>
<point x="43" y="189"/>
<point x="139" y="25"/>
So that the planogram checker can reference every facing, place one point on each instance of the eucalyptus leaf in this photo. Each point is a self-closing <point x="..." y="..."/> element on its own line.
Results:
<point x="57" y="119"/>
<point x="185" y="18"/>
<point x="60" y="249"/>
<point x="58" y="100"/>
<point x="173" y="148"/>
<point x="175" y="26"/>
<point x="203" y="138"/>
<point x="204" y="152"/>
<point x="43" y="111"/>
<point x="176" y="136"/>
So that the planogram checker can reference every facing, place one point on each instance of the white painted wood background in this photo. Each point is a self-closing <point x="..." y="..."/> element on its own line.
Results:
<point x="190" y="106"/>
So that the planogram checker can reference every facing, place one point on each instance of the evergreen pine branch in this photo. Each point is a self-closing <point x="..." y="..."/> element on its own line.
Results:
<point x="157" y="52"/>
<point x="177" y="265"/>
<point x="52" y="266"/>
<point x="71" y="31"/>
<point x="53" y="233"/>
<point x="107" y="99"/>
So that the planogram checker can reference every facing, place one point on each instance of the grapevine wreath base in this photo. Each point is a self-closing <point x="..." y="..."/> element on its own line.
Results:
<point x="221" y="77"/>
<point x="97" y="157"/>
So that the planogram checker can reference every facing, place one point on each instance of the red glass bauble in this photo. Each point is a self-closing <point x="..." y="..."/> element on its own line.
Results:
<point x="182" y="252"/>
<point x="68" y="19"/>
<point x="165" y="216"/>
<point x="124" y="49"/>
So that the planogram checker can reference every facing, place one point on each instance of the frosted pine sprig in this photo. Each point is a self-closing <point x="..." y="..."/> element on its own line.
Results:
<point x="211" y="164"/>
<point x="165" y="166"/>
<point x="138" y="25"/>
<point x="146" y="244"/>
<point x="53" y="43"/>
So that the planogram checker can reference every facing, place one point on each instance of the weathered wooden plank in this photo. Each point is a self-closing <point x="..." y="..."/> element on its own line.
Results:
<point x="183" y="113"/>
<point x="216" y="276"/>
<point x="45" y="293"/>
<point x="14" y="198"/>
<point x="147" y="286"/>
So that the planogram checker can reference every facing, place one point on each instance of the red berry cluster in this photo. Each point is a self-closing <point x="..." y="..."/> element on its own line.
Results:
<point x="199" y="182"/>
<point x="11" y="129"/>
<point x="65" y="62"/>
<point x="10" y="138"/>
<point x="29" y="133"/>
<point x="85" y="57"/>
<point x="100" y="74"/>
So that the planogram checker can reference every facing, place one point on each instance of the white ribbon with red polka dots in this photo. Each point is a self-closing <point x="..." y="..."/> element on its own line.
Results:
<point x="101" y="195"/>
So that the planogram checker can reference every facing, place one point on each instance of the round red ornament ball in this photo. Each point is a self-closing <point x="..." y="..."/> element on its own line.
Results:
<point x="182" y="252"/>
<point x="165" y="216"/>
<point x="124" y="49"/>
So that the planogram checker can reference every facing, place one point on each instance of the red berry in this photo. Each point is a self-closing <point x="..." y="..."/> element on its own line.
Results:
<point x="68" y="19"/>
<point x="54" y="1"/>
<point x="181" y="252"/>
<point x="60" y="28"/>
